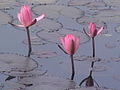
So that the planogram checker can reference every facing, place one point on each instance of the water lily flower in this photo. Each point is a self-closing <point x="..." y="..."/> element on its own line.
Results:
<point x="25" y="17"/>
<point x="93" y="31"/>
<point x="70" y="43"/>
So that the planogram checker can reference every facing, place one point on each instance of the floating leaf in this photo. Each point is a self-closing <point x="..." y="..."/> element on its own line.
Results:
<point x="54" y="11"/>
<point x="49" y="25"/>
<point x="35" y="41"/>
<point x="16" y="63"/>
<point x="79" y="2"/>
<point x="37" y="1"/>
<point x="92" y="88"/>
<point x="5" y="4"/>
<point x="4" y="18"/>
<point x="48" y="36"/>
<point x="86" y="58"/>
<point x="34" y="73"/>
<point x="47" y="83"/>
<point x="44" y="54"/>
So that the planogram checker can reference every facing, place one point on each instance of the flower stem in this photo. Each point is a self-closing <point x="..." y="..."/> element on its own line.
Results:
<point x="29" y="42"/>
<point x="93" y="44"/>
<point x="73" y="70"/>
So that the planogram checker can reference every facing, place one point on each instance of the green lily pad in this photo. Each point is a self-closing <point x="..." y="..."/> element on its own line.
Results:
<point x="55" y="11"/>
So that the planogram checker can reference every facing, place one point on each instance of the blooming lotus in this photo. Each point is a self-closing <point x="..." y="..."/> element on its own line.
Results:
<point x="93" y="31"/>
<point x="25" y="17"/>
<point x="70" y="43"/>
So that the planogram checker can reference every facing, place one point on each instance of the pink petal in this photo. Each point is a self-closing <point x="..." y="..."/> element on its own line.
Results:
<point x="40" y="17"/>
<point x="100" y="30"/>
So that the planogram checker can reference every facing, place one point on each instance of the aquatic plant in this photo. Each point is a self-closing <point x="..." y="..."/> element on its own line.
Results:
<point x="71" y="45"/>
<point x="25" y="19"/>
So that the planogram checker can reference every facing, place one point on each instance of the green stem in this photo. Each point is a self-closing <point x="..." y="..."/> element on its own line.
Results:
<point x="29" y="42"/>
<point x="73" y="70"/>
<point x="93" y="44"/>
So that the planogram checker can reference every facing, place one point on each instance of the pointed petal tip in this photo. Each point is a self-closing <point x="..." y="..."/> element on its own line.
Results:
<point x="40" y="17"/>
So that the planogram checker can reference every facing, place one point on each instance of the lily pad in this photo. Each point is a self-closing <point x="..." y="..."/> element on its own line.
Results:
<point x="48" y="36"/>
<point x="86" y="58"/>
<point x="55" y="11"/>
<point x="35" y="41"/>
<point x="79" y="2"/>
<point x="34" y="73"/>
<point x="109" y="15"/>
<point x="44" y="54"/>
<point x="47" y="83"/>
<point x="16" y="63"/>
<point x="85" y="20"/>
<point x="49" y="25"/>
<point x="92" y="88"/>
<point x="6" y="4"/>
<point x="37" y="1"/>
<point x="4" y="18"/>
<point x="113" y="3"/>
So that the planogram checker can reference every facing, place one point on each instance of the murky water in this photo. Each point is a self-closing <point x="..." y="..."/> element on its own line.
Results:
<point x="49" y="68"/>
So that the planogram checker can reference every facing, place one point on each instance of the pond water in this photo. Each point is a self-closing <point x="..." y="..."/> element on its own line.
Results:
<point x="49" y="68"/>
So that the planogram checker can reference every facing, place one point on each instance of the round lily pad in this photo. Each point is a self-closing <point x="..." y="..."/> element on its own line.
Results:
<point x="109" y="15"/>
<point x="35" y="41"/>
<point x="79" y="2"/>
<point x="37" y="1"/>
<point x="49" y="25"/>
<point x="16" y="63"/>
<point x="113" y="3"/>
<point x="55" y="11"/>
<point x="4" y="18"/>
<point x="44" y="54"/>
<point x="34" y="73"/>
<point x="92" y="88"/>
<point x="47" y="83"/>
<point x="86" y="58"/>
<point x="6" y="4"/>
<point x="83" y="37"/>
<point x="85" y="20"/>
<point x="48" y="36"/>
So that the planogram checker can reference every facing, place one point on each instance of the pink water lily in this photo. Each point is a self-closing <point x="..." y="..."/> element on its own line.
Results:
<point x="70" y="43"/>
<point x="93" y="31"/>
<point x="25" y="17"/>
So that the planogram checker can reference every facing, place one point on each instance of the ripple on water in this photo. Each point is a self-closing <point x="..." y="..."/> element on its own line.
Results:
<point x="10" y="62"/>
<point x="55" y="11"/>
<point x="44" y="54"/>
